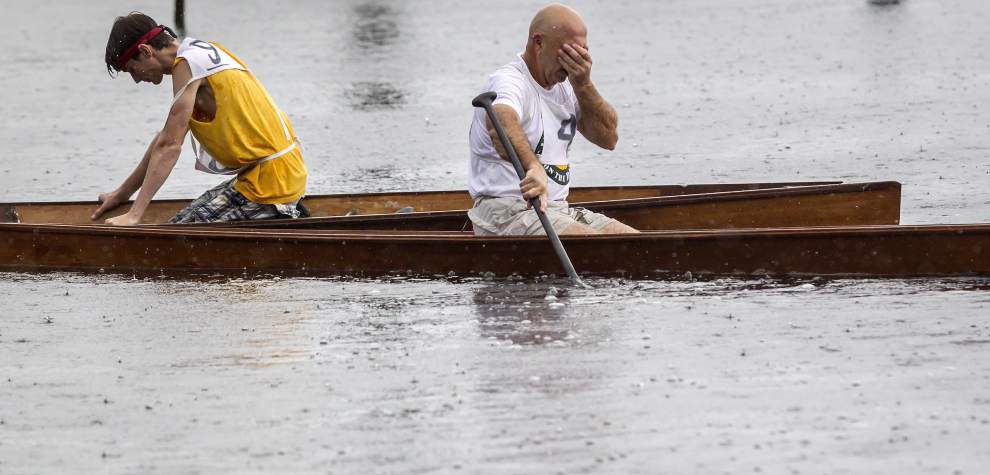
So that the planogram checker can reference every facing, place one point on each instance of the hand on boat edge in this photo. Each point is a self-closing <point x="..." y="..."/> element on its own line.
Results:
<point x="108" y="201"/>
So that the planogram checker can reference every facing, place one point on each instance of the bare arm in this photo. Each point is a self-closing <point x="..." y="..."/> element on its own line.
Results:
<point x="163" y="157"/>
<point x="599" y="121"/>
<point x="164" y="153"/>
<point x="534" y="184"/>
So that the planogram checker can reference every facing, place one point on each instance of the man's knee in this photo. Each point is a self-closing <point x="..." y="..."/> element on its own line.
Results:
<point x="578" y="228"/>
<point x="616" y="227"/>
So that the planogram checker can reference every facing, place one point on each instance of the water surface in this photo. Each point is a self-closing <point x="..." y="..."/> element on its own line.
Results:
<point x="110" y="373"/>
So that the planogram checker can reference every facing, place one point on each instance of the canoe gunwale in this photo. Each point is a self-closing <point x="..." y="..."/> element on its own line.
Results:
<point x="768" y="193"/>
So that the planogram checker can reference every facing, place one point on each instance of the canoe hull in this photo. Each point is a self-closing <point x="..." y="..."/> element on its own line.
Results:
<point x="864" y="251"/>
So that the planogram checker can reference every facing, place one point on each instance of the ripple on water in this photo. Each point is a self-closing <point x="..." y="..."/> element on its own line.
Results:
<point x="375" y="95"/>
<point x="376" y="25"/>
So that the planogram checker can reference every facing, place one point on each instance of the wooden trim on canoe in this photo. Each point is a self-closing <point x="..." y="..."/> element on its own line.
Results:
<point x="160" y="211"/>
<point x="819" y="205"/>
<point x="875" y="251"/>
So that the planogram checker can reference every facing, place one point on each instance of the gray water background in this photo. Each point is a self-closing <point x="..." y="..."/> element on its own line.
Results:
<point x="114" y="374"/>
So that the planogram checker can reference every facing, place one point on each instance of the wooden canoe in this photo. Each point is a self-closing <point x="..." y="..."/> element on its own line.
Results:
<point x="795" y="206"/>
<point x="789" y="206"/>
<point x="160" y="211"/>
<point x="864" y="251"/>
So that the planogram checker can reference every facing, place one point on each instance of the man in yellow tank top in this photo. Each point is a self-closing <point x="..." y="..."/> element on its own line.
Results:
<point x="237" y="129"/>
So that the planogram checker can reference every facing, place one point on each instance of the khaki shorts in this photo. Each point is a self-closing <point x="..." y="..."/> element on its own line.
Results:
<point x="510" y="216"/>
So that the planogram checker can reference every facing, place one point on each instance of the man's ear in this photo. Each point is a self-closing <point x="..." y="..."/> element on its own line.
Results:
<point x="145" y="50"/>
<point x="538" y="38"/>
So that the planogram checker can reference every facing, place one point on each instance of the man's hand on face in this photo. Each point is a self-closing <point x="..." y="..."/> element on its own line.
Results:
<point x="576" y="60"/>
<point x="534" y="184"/>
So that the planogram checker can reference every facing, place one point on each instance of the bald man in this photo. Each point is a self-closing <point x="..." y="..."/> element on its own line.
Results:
<point x="544" y="96"/>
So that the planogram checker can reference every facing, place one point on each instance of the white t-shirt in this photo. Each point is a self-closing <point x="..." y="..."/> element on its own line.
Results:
<point x="549" y="120"/>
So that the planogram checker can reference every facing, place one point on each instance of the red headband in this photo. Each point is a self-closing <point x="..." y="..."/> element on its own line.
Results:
<point x="126" y="55"/>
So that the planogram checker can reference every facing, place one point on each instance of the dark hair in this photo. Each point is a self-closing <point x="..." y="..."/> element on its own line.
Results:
<point x="127" y="30"/>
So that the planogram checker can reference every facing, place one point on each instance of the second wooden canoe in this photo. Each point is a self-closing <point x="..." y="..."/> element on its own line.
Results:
<point x="662" y="208"/>
<point x="819" y="205"/>
<point x="160" y="211"/>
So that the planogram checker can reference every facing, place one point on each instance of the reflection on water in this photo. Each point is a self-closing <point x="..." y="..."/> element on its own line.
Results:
<point x="376" y="25"/>
<point x="543" y="325"/>
<point x="374" y="95"/>
<point x="244" y="322"/>
<point x="266" y="355"/>
<point x="524" y="314"/>
<point x="376" y="30"/>
<point x="384" y="177"/>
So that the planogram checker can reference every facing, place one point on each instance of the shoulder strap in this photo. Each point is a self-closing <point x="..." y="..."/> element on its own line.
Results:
<point x="204" y="59"/>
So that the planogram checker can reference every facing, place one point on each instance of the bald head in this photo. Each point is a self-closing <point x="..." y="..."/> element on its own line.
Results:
<point x="553" y="27"/>
<point x="558" y="21"/>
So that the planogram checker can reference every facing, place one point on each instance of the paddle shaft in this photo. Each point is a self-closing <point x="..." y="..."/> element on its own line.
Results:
<point x="485" y="100"/>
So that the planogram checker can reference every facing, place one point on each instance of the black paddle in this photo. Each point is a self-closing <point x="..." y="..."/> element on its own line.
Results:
<point x="485" y="100"/>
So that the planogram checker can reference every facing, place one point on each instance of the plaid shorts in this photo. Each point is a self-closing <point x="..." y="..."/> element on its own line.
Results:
<point x="224" y="203"/>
